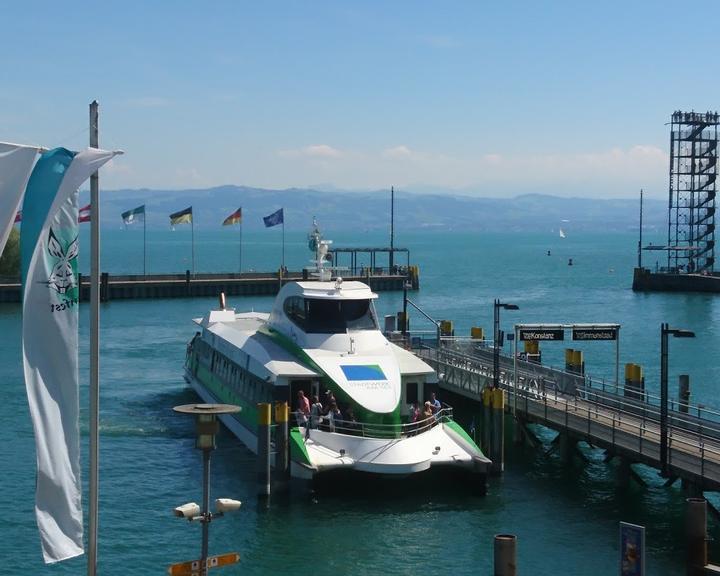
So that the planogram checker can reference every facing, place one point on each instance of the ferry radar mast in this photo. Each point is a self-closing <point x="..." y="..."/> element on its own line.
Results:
<point x="320" y="247"/>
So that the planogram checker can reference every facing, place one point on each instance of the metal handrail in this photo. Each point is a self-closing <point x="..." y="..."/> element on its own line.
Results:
<point x="372" y="430"/>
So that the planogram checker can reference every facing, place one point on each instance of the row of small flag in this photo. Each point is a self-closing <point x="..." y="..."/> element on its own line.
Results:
<point x="186" y="217"/>
<point x="181" y="217"/>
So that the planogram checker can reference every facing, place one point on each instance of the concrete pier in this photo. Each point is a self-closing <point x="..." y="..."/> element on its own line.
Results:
<point x="187" y="285"/>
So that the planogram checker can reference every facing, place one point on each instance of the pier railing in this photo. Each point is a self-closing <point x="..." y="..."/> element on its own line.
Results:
<point x="623" y="421"/>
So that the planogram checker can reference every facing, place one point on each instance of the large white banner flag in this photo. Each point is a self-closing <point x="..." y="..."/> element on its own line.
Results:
<point x="49" y="248"/>
<point x="16" y="163"/>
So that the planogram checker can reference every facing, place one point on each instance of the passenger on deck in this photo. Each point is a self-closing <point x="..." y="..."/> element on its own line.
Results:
<point x="426" y="416"/>
<point x="349" y="421"/>
<point x="414" y="415"/>
<point x="303" y="408"/>
<point x="435" y="403"/>
<point x="334" y="417"/>
<point x="316" y="411"/>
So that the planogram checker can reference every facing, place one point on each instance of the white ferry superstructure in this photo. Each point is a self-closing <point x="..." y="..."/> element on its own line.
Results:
<point x="323" y="335"/>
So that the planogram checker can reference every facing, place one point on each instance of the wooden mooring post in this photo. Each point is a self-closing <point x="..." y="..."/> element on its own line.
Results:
<point x="505" y="555"/>
<point x="263" y="449"/>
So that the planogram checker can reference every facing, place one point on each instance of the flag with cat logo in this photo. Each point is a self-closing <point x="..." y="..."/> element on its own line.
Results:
<point x="49" y="249"/>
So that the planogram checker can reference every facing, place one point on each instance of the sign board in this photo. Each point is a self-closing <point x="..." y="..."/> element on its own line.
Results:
<point x="610" y="333"/>
<point x="542" y="334"/>
<point x="632" y="550"/>
<point x="192" y="567"/>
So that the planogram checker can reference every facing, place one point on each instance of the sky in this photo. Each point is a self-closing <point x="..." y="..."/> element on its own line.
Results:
<point x="488" y="99"/>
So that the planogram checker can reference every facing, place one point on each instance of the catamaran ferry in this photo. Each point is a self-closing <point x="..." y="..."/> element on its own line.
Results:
<point x="322" y="338"/>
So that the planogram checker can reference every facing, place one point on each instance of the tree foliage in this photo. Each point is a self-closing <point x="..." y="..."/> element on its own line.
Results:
<point x="10" y="259"/>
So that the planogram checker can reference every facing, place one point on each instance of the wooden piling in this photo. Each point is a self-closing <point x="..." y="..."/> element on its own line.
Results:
<point x="696" y="536"/>
<point x="505" y="555"/>
<point x="486" y="435"/>
<point x="263" y="449"/>
<point x="498" y="431"/>
<point x="684" y="394"/>
<point x="282" y="460"/>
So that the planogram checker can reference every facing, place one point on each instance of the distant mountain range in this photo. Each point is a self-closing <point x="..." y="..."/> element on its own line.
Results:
<point x="371" y="210"/>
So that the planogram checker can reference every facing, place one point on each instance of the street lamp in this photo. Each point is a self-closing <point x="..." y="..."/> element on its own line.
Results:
<point x="676" y="333"/>
<point x="497" y="305"/>
<point x="206" y="427"/>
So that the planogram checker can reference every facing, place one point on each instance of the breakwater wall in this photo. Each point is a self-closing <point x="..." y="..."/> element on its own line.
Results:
<point x="187" y="285"/>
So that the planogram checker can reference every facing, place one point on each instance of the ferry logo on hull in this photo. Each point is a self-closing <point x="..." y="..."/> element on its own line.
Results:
<point x="367" y="372"/>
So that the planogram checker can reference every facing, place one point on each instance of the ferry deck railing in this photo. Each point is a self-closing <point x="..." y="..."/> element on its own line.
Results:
<point x="377" y="430"/>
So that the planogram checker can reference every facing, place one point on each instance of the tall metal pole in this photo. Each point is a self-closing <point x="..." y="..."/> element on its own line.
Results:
<point x="283" y="246"/>
<point x="392" y="228"/>
<point x="144" y="244"/>
<point x="240" y="259"/>
<point x="515" y="378"/>
<point x="641" y="224"/>
<point x="496" y="337"/>
<point x="205" y="510"/>
<point x="663" y="397"/>
<point x="94" y="349"/>
<point x="405" y="322"/>
<point x="192" y="239"/>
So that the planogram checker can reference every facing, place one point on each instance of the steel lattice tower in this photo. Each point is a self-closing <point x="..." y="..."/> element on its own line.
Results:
<point x="693" y="174"/>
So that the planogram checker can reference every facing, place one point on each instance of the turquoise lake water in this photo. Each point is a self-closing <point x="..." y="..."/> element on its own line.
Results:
<point x="566" y="517"/>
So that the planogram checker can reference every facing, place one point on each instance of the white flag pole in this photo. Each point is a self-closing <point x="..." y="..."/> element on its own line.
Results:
<point x="94" y="349"/>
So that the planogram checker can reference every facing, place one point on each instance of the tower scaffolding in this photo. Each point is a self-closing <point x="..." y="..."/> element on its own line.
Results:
<point x="693" y="175"/>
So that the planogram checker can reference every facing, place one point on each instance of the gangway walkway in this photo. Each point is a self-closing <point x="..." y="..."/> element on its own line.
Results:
<point x="596" y="412"/>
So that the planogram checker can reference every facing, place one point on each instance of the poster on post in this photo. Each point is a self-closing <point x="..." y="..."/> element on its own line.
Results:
<point x="632" y="549"/>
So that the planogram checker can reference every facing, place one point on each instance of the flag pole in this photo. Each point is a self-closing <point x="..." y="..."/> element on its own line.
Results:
<point x="192" y="227"/>
<point x="94" y="349"/>
<point x="283" y="245"/>
<point x="144" y="243"/>
<point x="240" y="263"/>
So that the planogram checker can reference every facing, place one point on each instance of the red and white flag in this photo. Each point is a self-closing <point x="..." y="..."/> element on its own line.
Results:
<point x="84" y="214"/>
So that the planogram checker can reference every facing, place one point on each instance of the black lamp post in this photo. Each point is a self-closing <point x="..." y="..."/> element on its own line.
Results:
<point x="496" y="337"/>
<point x="664" y="332"/>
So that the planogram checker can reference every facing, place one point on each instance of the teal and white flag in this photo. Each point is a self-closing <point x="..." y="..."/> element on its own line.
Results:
<point x="132" y="215"/>
<point x="16" y="163"/>
<point x="49" y="248"/>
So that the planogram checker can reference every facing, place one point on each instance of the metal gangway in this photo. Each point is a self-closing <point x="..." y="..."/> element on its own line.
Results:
<point x="624" y="422"/>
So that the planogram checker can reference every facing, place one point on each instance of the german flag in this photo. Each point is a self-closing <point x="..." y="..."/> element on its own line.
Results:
<point x="234" y="218"/>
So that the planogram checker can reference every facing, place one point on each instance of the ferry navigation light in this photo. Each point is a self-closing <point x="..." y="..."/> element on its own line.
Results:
<point x="497" y="305"/>
<point x="666" y="331"/>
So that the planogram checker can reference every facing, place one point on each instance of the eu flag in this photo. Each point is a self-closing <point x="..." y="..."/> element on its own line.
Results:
<point x="274" y="219"/>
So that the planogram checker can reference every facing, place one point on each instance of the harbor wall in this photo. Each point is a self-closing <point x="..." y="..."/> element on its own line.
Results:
<point x="119" y="287"/>
<point x="644" y="280"/>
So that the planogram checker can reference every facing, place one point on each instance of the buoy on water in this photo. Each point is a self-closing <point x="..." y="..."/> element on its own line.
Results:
<point x="570" y="262"/>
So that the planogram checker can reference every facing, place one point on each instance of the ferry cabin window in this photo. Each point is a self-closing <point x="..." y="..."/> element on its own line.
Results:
<point x="319" y="316"/>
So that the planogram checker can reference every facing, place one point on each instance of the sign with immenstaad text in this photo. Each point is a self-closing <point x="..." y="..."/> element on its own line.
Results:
<point x="594" y="334"/>
<point x="542" y="334"/>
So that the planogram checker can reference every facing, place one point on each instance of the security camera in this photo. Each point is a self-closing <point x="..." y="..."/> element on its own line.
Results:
<point x="227" y="505"/>
<point x="190" y="510"/>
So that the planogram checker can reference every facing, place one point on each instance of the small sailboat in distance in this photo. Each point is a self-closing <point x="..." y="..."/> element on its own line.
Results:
<point x="562" y="233"/>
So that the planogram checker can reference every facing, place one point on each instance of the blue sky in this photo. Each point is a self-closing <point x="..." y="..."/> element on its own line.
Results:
<point x="492" y="99"/>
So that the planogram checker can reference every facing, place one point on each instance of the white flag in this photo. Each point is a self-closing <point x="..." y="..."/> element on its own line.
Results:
<point x="49" y="249"/>
<point x="16" y="163"/>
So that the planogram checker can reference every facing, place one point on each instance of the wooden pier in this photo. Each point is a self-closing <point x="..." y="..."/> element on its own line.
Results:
<point x="117" y="287"/>
<point x="581" y="409"/>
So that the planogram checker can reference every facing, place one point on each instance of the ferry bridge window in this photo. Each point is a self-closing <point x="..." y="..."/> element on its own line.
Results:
<point x="337" y="316"/>
<point x="294" y="308"/>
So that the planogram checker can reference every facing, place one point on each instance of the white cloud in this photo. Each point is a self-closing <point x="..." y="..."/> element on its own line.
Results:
<point x="312" y="151"/>
<point x="397" y="152"/>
